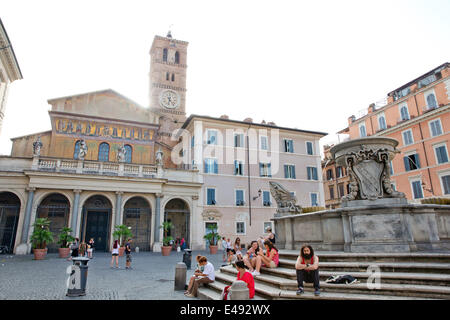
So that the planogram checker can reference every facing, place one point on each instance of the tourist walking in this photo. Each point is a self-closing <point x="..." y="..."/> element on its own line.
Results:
<point x="207" y="276"/>
<point x="115" y="254"/>
<point x="83" y="249"/>
<point x="90" y="249"/>
<point x="307" y="269"/>
<point x="128" y="254"/>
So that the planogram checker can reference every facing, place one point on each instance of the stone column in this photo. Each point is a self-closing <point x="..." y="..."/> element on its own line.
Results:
<point x="75" y="209"/>
<point x="119" y="207"/>
<point x="157" y="233"/>
<point x="23" y="247"/>
<point x="347" y="232"/>
<point x="193" y="228"/>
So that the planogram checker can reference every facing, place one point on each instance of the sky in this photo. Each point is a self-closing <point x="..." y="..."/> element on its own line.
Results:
<point x="301" y="64"/>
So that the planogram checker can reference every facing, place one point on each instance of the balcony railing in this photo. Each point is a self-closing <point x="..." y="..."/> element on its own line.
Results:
<point x="94" y="167"/>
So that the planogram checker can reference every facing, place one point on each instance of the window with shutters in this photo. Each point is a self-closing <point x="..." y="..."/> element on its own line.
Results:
<point x="312" y="173"/>
<point x="416" y="187"/>
<point x="239" y="197"/>
<point x="446" y="184"/>
<point x="407" y="137"/>
<point x="239" y="140"/>
<point x="240" y="227"/>
<point x="264" y="170"/>
<point x="362" y="130"/>
<point x="431" y="101"/>
<point x="330" y="174"/>
<point x="341" y="190"/>
<point x="211" y="166"/>
<point x="238" y="168"/>
<point x="289" y="171"/>
<point x="404" y="113"/>
<point x="309" y="148"/>
<point x="314" y="199"/>
<point x="211" y="137"/>
<point x="435" y="127"/>
<point x="210" y="196"/>
<point x="331" y="189"/>
<point x="440" y="151"/>
<point x="264" y="144"/>
<point x="288" y="145"/>
<point x="266" y="199"/>
<point x="381" y="122"/>
<point x="411" y="162"/>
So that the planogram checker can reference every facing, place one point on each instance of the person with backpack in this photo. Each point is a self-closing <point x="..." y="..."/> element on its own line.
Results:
<point x="307" y="268"/>
<point x="128" y="254"/>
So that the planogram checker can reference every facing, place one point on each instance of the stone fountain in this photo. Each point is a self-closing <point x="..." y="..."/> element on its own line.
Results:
<point x="373" y="217"/>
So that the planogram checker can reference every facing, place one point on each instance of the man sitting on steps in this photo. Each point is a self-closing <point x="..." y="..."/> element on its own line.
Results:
<point x="307" y="268"/>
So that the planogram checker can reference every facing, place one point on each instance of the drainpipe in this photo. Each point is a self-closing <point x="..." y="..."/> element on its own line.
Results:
<point x="248" y="175"/>
<point x="423" y="146"/>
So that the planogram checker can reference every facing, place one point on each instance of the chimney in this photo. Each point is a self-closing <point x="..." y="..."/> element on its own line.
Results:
<point x="351" y="119"/>
<point x="250" y="120"/>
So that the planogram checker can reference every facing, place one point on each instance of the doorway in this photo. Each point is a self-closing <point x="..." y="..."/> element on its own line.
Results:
<point x="96" y="222"/>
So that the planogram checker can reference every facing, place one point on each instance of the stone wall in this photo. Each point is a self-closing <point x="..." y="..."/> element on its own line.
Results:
<point x="396" y="228"/>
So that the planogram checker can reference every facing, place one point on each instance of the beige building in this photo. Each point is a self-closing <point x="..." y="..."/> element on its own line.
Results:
<point x="9" y="70"/>
<point x="107" y="161"/>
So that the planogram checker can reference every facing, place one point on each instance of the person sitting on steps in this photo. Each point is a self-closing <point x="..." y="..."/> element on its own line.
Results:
<point x="307" y="268"/>
<point x="250" y="257"/>
<point x="270" y="260"/>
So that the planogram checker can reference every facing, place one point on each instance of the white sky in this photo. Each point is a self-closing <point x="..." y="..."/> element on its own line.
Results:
<point x="303" y="64"/>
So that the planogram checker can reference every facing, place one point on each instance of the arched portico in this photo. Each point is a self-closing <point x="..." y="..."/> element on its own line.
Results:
<point x="177" y="211"/>
<point x="137" y="214"/>
<point x="96" y="221"/>
<point x="9" y="219"/>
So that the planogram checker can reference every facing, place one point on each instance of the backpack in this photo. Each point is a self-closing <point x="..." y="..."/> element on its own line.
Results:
<point x="347" y="279"/>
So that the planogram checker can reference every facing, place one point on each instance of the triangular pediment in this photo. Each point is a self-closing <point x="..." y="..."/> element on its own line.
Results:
<point x="105" y="104"/>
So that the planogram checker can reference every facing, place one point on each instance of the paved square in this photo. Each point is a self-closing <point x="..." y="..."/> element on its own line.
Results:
<point x="152" y="277"/>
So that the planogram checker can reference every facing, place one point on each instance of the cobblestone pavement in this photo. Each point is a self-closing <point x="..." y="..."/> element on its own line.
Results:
<point x="152" y="277"/>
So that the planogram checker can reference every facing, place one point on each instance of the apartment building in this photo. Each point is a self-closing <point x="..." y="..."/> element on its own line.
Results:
<point x="417" y="116"/>
<point x="237" y="159"/>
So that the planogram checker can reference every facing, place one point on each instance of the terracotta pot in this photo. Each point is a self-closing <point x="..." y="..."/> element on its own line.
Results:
<point x="39" y="254"/>
<point x="121" y="251"/>
<point x="213" y="249"/>
<point x="63" y="252"/>
<point x="165" y="250"/>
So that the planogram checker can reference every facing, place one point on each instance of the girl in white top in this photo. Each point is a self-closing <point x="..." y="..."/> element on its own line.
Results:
<point x="115" y="254"/>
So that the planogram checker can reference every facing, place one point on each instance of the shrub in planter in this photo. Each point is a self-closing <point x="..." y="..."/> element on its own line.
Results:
<point x="40" y="237"/>
<point x="122" y="232"/>
<point x="212" y="236"/>
<point x="65" y="238"/>
<point x="166" y="247"/>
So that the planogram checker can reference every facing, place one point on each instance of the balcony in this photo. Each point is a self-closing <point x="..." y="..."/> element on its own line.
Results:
<point x="94" y="167"/>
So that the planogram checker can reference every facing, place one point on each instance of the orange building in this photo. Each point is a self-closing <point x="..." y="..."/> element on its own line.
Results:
<point x="417" y="116"/>
<point x="335" y="180"/>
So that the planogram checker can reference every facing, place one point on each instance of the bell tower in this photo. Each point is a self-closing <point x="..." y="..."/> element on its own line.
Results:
<point x="168" y="81"/>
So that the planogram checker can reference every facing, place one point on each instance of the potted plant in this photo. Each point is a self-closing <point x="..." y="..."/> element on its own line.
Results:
<point x="122" y="232"/>
<point x="65" y="238"/>
<point x="40" y="237"/>
<point x="166" y="247"/>
<point x="212" y="236"/>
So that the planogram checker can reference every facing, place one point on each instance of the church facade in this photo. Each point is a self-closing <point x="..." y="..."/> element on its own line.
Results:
<point x="107" y="161"/>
